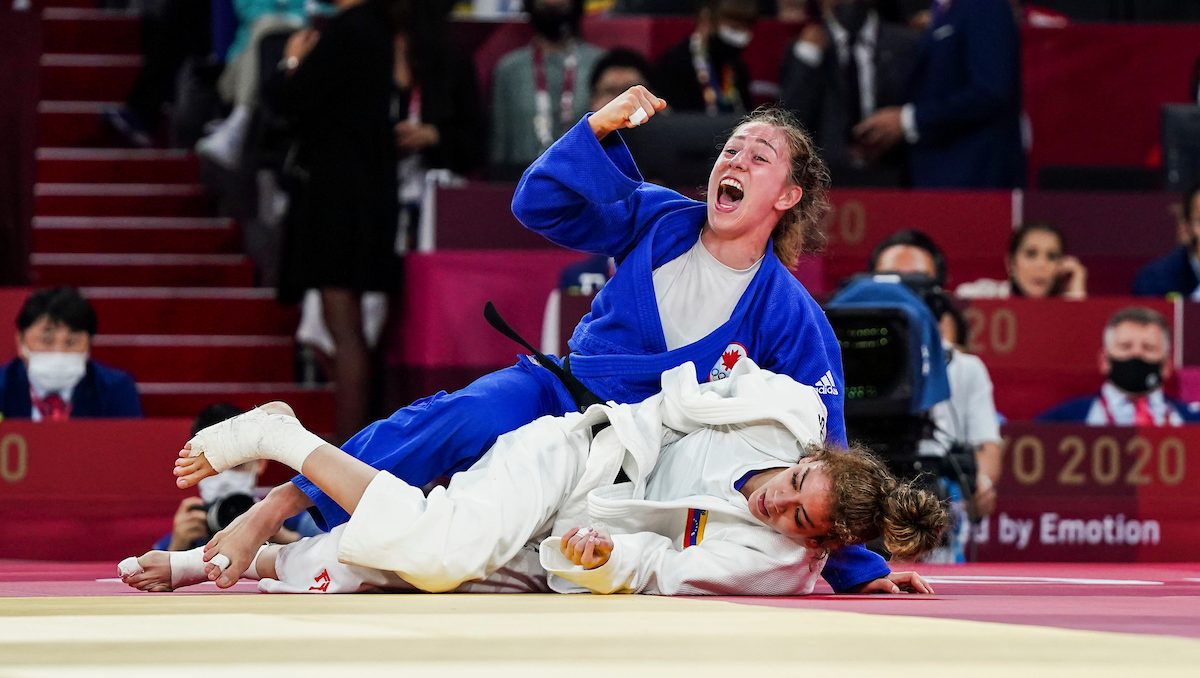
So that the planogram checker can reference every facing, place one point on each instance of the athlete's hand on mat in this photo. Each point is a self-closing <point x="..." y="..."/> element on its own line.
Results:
<point x="588" y="547"/>
<point x="631" y="108"/>
<point x="896" y="582"/>
<point x="190" y="524"/>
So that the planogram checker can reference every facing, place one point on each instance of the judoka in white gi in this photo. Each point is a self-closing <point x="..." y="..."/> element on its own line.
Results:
<point x="728" y="492"/>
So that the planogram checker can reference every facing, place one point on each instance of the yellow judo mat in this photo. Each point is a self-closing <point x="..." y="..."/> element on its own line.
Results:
<point x="223" y="635"/>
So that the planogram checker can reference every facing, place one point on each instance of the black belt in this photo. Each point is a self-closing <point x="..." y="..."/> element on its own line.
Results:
<point x="582" y="395"/>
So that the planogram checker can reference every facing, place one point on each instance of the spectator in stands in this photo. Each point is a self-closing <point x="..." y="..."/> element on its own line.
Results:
<point x="1177" y="273"/>
<point x="706" y="73"/>
<point x="841" y="70"/>
<point x="968" y="419"/>
<point x="616" y="71"/>
<point x="171" y="31"/>
<point x="540" y="90"/>
<point x="54" y="379"/>
<point x="1038" y="268"/>
<point x="1135" y="360"/>
<point x="962" y="119"/>
<point x="238" y="85"/>
<point x="340" y="230"/>
<point x="190" y="527"/>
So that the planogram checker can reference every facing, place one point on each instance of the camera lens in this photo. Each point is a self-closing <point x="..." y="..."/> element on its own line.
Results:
<point x="223" y="511"/>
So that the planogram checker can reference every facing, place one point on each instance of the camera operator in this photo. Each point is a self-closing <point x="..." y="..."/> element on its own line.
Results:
<point x="967" y="422"/>
<point x="224" y="497"/>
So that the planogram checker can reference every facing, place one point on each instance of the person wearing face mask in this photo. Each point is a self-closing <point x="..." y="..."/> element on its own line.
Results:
<point x="541" y="89"/>
<point x="1135" y="360"/>
<point x="705" y="73"/>
<point x="842" y="69"/>
<point x="53" y="377"/>
<point x="197" y="518"/>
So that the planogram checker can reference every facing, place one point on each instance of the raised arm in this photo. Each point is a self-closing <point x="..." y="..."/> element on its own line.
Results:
<point x="585" y="191"/>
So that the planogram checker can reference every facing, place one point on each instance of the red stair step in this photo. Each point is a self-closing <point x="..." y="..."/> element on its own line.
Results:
<point x="314" y="406"/>
<point x="114" y="165"/>
<point x="142" y="200"/>
<point x="195" y="310"/>
<point x="72" y="123"/>
<point x="89" y="31"/>
<point x="146" y="235"/>
<point x="192" y="358"/>
<point x="144" y="270"/>
<point x="88" y="77"/>
<point x="81" y="4"/>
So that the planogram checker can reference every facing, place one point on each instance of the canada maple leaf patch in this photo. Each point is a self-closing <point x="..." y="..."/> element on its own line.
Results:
<point x="729" y="357"/>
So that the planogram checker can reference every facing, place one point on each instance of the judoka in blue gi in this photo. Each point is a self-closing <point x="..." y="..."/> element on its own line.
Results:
<point x="700" y="282"/>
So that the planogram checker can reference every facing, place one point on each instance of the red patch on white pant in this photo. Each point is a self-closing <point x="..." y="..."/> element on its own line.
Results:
<point x="322" y="581"/>
<point x="729" y="357"/>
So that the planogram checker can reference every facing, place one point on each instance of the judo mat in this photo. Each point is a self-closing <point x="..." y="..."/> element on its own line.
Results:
<point x="73" y="619"/>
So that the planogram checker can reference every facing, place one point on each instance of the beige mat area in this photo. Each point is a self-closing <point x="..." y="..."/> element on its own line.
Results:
<point x="218" y="636"/>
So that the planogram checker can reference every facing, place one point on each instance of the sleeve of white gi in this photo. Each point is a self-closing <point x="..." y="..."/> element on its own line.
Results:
<point x="649" y="563"/>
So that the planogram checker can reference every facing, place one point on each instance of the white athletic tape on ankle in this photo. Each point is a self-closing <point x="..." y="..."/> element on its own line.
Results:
<point x="256" y="435"/>
<point x="639" y="116"/>
<point x="220" y="561"/>
<point x="187" y="567"/>
<point x="129" y="567"/>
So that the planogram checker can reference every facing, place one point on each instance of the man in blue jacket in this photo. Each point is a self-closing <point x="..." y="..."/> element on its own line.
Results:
<point x="1179" y="271"/>
<point x="963" y="116"/>
<point x="53" y="378"/>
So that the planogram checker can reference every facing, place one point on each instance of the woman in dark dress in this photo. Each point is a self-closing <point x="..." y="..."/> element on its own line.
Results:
<point x="341" y="227"/>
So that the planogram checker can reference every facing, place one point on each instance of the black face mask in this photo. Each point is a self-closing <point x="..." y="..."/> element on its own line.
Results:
<point x="1134" y="375"/>
<point x="852" y="15"/>
<point x="554" y="23"/>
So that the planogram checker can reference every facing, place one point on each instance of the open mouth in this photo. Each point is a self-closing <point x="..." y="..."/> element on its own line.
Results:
<point x="729" y="194"/>
<point x="762" y="504"/>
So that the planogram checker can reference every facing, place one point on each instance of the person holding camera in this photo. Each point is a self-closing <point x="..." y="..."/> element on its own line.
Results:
<point x="223" y="498"/>
<point x="965" y="429"/>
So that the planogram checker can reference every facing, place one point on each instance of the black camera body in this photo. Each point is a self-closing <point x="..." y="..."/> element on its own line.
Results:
<point x="220" y="512"/>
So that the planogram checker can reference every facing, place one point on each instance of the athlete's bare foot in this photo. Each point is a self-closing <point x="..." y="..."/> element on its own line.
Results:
<point x="240" y="541"/>
<point x="190" y="470"/>
<point x="156" y="570"/>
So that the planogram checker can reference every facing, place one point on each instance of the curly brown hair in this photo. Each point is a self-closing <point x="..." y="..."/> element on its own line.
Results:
<point x="799" y="230"/>
<point x="870" y="502"/>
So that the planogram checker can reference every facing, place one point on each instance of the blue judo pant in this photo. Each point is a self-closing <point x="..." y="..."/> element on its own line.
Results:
<point x="447" y="432"/>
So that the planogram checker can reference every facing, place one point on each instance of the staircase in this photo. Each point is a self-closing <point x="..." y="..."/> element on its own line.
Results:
<point x="135" y="230"/>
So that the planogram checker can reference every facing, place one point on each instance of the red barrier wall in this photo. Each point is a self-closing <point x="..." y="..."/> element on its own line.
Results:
<point x="1093" y="92"/>
<point x="87" y="490"/>
<point x="1081" y="494"/>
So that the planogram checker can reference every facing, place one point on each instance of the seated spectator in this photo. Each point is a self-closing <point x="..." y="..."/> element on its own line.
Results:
<point x="968" y="419"/>
<point x="842" y="69"/>
<point x="706" y="73"/>
<point x="53" y="379"/>
<point x="1135" y="360"/>
<point x="616" y="71"/>
<point x="539" y="91"/>
<point x="198" y="518"/>
<point x="1178" y="272"/>
<point x="1038" y="267"/>
<point x="238" y="85"/>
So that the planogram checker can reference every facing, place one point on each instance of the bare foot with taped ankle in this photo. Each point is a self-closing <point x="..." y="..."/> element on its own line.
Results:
<point x="270" y="431"/>
<point x="245" y="535"/>
<point x="165" y="571"/>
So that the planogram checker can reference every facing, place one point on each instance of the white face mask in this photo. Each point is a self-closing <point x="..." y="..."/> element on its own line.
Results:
<point x="55" y="372"/>
<point x="734" y="36"/>
<point x="233" y="481"/>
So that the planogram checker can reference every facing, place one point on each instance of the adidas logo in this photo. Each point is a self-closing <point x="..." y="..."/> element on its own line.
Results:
<point x="826" y="386"/>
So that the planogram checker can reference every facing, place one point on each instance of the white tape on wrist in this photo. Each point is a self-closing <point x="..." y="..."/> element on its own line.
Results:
<point x="639" y="116"/>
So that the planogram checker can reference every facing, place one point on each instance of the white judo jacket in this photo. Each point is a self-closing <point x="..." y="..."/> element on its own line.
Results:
<point x="549" y="476"/>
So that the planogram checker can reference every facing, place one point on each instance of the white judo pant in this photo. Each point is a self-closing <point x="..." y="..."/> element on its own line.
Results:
<point x="480" y="534"/>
